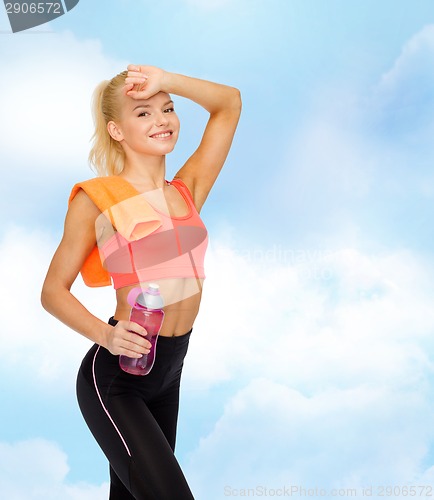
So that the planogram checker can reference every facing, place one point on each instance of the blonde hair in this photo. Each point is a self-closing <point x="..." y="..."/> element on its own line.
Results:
<point x="106" y="156"/>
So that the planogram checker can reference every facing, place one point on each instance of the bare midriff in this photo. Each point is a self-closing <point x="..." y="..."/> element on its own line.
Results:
<point x="181" y="297"/>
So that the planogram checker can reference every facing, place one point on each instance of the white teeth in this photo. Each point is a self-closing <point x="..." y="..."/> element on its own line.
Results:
<point x="162" y="135"/>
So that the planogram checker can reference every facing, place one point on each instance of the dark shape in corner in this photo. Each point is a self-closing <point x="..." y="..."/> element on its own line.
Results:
<point x="25" y="15"/>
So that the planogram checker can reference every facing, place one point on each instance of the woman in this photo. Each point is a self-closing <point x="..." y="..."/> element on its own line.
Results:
<point x="131" y="227"/>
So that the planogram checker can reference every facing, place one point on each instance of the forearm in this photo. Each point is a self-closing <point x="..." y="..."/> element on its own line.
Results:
<point x="60" y="302"/>
<point x="214" y="97"/>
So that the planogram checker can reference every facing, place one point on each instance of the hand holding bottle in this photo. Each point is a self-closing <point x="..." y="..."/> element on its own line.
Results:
<point x="147" y="312"/>
<point x="127" y="338"/>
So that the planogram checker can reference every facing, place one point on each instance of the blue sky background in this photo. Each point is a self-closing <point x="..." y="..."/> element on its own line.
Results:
<point x="316" y="367"/>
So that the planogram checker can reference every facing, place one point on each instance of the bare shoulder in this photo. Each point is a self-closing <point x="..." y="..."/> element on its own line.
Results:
<point x="77" y="242"/>
<point x="82" y="207"/>
<point x="80" y="220"/>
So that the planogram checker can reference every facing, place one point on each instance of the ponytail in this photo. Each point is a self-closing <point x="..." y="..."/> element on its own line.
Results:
<point x="106" y="156"/>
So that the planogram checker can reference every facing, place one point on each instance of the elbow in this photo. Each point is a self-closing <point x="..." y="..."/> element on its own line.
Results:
<point x="45" y="298"/>
<point x="229" y="103"/>
<point x="236" y="102"/>
<point x="49" y="293"/>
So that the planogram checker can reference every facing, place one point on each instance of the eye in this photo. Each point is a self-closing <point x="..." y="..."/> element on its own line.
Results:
<point x="143" y="113"/>
<point x="169" y="110"/>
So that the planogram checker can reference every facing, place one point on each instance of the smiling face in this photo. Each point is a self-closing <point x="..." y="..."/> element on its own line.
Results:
<point x="146" y="127"/>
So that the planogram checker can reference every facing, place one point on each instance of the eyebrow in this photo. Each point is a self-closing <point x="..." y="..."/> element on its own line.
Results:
<point x="148" y="105"/>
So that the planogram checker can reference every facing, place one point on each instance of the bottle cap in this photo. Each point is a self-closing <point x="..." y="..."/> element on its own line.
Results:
<point x="153" y="289"/>
<point x="150" y="298"/>
<point x="153" y="298"/>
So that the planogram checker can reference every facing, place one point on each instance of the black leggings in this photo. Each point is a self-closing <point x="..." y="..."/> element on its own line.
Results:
<point x="133" y="418"/>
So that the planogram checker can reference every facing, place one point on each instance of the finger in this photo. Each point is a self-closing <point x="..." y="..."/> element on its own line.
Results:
<point x="132" y="326"/>
<point x="133" y="343"/>
<point x="138" y="340"/>
<point x="138" y="94"/>
<point x="136" y="79"/>
<point x="138" y="337"/>
<point x="129" y="354"/>
<point x="139" y="350"/>
<point x="136" y="82"/>
<point x="139" y="87"/>
<point x="137" y="74"/>
<point x="132" y="352"/>
<point x="127" y="88"/>
<point x="133" y="67"/>
<point x="129" y="326"/>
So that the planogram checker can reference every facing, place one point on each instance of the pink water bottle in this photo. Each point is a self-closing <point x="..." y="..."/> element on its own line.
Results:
<point x="147" y="312"/>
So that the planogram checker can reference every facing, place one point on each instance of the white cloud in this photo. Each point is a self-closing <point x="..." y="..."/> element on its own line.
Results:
<point x="37" y="469"/>
<point x="30" y="337"/>
<point x="326" y="357"/>
<point x="309" y="322"/>
<point x="291" y="314"/>
<point x="402" y="102"/>
<point x="45" y="97"/>
<point x="412" y="71"/>
<point x="361" y="157"/>
<point x="332" y="355"/>
<point x="331" y="352"/>
<point x="272" y="436"/>
<point x="45" y="100"/>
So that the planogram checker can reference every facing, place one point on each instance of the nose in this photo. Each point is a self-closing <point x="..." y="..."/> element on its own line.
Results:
<point x="161" y="119"/>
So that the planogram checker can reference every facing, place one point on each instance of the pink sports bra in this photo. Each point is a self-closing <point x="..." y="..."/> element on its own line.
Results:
<point x="176" y="249"/>
<point x="135" y="242"/>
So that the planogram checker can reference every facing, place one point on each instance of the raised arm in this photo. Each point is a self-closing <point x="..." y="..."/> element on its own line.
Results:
<point x="224" y="106"/>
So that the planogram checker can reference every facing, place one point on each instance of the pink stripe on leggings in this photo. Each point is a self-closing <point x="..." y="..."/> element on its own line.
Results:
<point x="102" y="404"/>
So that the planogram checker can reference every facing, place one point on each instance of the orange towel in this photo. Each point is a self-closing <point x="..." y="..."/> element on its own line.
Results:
<point x="123" y="208"/>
